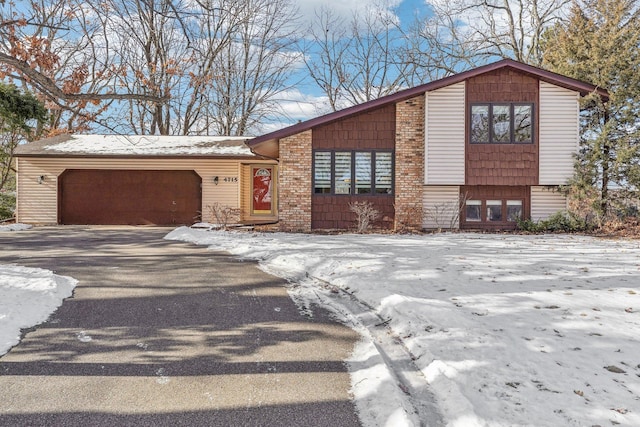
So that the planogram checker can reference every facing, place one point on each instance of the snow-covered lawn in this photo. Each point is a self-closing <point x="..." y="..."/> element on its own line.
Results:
<point x="505" y="329"/>
<point x="27" y="297"/>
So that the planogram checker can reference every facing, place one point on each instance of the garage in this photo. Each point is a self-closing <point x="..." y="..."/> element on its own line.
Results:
<point x="143" y="180"/>
<point x="133" y="197"/>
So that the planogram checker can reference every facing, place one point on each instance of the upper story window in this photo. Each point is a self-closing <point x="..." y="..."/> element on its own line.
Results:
<point x="353" y="172"/>
<point x="501" y="123"/>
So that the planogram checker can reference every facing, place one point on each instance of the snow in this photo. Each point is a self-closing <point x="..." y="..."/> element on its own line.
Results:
<point x="28" y="296"/>
<point x="153" y="145"/>
<point x="503" y="330"/>
<point x="14" y="227"/>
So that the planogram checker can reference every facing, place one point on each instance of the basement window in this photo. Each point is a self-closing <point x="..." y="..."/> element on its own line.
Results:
<point x="514" y="210"/>
<point x="473" y="210"/>
<point x="494" y="210"/>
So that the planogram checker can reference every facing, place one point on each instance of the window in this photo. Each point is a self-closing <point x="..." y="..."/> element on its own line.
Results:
<point x="363" y="172"/>
<point x="353" y="172"/>
<point x="342" y="172"/>
<point x="384" y="172"/>
<point x="322" y="172"/>
<point x="494" y="210"/>
<point x="497" y="211"/>
<point x="514" y="210"/>
<point x="473" y="210"/>
<point x="501" y="123"/>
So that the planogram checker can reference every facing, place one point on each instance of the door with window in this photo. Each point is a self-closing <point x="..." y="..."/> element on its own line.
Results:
<point x="262" y="190"/>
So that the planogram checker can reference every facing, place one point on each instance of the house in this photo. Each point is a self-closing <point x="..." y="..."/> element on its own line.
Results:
<point x="478" y="149"/>
<point x="160" y="180"/>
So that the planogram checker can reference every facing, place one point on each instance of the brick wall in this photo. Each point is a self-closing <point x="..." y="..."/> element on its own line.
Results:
<point x="295" y="183"/>
<point x="409" y="174"/>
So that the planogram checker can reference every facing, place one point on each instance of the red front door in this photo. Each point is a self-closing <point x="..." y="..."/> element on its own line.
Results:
<point x="262" y="200"/>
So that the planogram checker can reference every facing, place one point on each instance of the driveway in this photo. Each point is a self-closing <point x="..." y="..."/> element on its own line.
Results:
<point x="167" y="333"/>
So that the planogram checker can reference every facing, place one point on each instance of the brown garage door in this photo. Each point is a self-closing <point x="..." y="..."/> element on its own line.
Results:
<point x="129" y="197"/>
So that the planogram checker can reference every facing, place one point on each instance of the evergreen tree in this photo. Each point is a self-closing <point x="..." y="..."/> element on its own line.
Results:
<point x="20" y="112"/>
<point x="600" y="44"/>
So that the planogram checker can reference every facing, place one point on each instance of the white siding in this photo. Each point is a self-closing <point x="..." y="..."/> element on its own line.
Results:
<point x="559" y="133"/>
<point x="444" y="136"/>
<point x="441" y="207"/>
<point x="38" y="202"/>
<point x="545" y="202"/>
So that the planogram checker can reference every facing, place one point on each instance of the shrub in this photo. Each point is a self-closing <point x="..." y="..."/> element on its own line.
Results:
<point x="222" y="215"/>
<point x="366" y="214"/>
<point x="561" y="221"/>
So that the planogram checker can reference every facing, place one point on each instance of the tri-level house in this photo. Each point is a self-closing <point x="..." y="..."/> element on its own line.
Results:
<point x="478" y="149"/>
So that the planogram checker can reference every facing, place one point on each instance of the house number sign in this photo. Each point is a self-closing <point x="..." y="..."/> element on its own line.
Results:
<point x="230" y="179"/>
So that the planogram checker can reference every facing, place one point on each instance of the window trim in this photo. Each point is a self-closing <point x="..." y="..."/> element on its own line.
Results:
<point x="484" y="205"/>
<point x="512" y="106"/>
<point x="352" y="187"/>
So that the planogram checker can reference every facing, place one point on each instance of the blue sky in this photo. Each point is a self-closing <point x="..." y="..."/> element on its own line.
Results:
<point x="305" y="99"/>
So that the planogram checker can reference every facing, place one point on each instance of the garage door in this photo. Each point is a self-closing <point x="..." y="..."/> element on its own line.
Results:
<point x="129" y="197"/>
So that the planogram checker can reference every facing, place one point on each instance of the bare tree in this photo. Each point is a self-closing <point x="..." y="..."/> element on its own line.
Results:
<point x="254" y="68"/>
<point x="58" y="49"/>
<point x="463" y="33"/>
<point x="326" y="61"/>
<point x="358" y="61"/>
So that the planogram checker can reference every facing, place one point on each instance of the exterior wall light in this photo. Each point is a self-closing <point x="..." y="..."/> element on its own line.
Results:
<point x="216" y="180"/>
<point x="41" y="179"/>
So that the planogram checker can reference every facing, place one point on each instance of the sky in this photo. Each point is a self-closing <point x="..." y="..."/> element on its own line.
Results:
<point x="305" y="100"/>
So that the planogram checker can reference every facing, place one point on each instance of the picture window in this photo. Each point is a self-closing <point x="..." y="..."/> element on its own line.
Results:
<point x="363" y="172"/>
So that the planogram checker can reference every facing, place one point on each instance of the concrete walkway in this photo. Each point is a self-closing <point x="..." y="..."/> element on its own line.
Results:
<point x="164" y="333"/>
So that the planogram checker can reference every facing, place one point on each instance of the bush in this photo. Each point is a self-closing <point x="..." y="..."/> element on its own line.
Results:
<point x="222" y="215"/>
<point x="560" y="222"/>
<point x="366" y="214"/>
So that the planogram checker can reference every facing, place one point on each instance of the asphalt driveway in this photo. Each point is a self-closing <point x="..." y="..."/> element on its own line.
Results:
<point x="168" y="333"/>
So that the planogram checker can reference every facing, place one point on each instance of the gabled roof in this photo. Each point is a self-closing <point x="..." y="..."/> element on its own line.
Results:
<point x="136" y="146"/>
<point x="544" y="75"/>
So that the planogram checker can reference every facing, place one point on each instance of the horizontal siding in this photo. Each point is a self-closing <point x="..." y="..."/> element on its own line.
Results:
<point x="445" y="136"/>
<point x="546" y="202"/>
<point x="38" y="203"/>
<point x="441" y="207"/>
<point x="559" y="133"/>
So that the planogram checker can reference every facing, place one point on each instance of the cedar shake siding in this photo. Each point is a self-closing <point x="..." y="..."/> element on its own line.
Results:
<point x="372" y="130"/>
<point x="502" y="164"/>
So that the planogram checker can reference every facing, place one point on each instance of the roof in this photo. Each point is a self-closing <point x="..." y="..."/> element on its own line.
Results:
<point x="136" y="146"/>
<point x="544" y="75"/>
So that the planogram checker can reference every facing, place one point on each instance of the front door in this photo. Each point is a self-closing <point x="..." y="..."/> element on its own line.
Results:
<point x="262" y="188"/>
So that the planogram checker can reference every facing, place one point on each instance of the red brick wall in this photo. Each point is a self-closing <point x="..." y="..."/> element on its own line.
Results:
<point x="409" y="173"/>
<point x="502" y="164"/>
<point x="294" y="174"/>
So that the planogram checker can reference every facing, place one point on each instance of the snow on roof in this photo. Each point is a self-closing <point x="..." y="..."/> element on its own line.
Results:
<point x="143" y="145"/>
